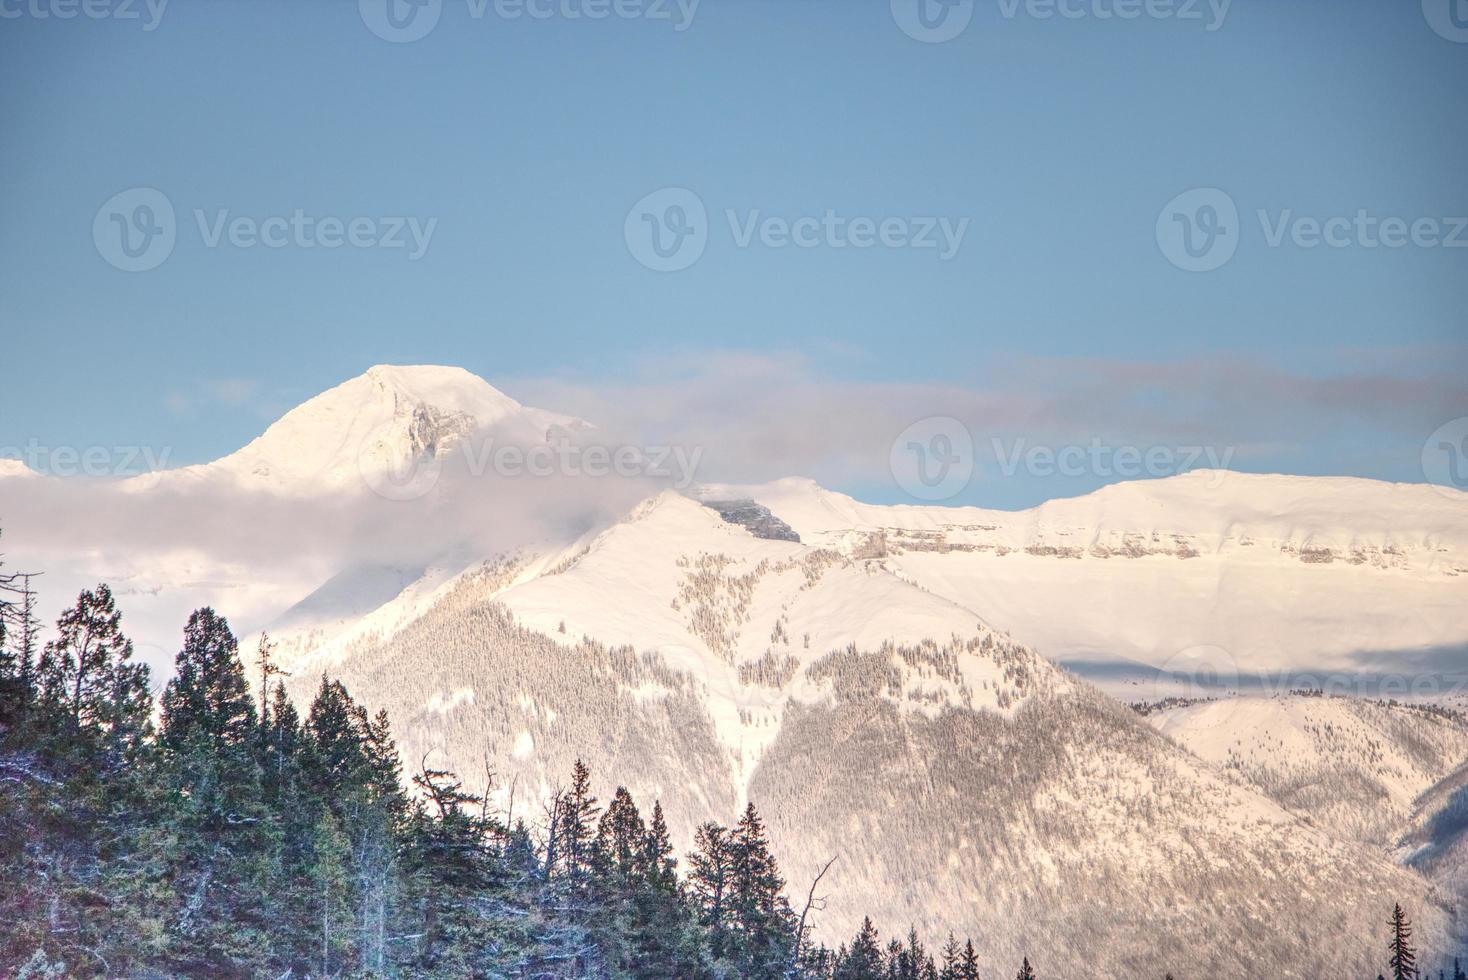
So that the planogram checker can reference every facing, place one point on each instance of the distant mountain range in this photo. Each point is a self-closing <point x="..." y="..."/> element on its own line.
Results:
<point x="872" y="676"/>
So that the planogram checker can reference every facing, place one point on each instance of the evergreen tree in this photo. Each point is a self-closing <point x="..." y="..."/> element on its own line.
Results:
<point x="450" y="863"/>
<point x="968" y="967"/>
<point x="863" y="960"/>
<point x="951" y="962"/>
<point x="758" y="910"/>
<point x="575" y="831"/>
<point x="217" y="835"/>
<point x="709" y="883"/>
<point x="912" y="958"/>
<point x="94" y="697"/>
<point x="661" y="937"/>
<point x="1404" y="957"/>
<point x="1025" y="972"/>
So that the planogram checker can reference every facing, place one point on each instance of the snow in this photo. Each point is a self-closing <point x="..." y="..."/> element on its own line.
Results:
<point x="375" y="424"/>
<point x="15" y="468"/>
<point x="1282" y="573"/>
<point x="1355" y="766"/>
<point x="648" y="581"/>
<point x="870" y="674"/>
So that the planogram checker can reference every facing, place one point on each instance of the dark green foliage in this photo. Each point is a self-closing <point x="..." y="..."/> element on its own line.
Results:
<point x="1404" y="957"/>
<point x="864" y="960"/>
<point x="242" y="840"/>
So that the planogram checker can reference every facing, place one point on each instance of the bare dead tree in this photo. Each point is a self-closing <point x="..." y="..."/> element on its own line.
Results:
<point x="812" y="904"/>
<point x="268" y="669"/>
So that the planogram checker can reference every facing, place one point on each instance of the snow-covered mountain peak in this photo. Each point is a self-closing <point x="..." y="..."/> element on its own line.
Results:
<point x="444" y="387"/>
<point x="378" y="424"/>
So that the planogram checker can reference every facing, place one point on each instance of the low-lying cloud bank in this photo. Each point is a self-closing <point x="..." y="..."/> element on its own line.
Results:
<point x="728" y="417"/>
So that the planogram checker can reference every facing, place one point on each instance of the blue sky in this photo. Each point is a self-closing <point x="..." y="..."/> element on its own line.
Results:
<point x="1059" y="141"/>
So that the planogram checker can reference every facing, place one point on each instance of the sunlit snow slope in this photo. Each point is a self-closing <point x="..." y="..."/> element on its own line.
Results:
<point x="1284" y="574"/>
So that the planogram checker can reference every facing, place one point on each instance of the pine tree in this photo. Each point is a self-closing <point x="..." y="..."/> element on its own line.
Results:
<point x="333" y="897"/>
<point x="450" y="865"/>
<point x="268" y="669"/>
<point x="617" y="869"/>
<point x="620" y="839"/>
<point x="337" y="730"/>
<point x="759" y="912"/>
<point x="709" y="882"/>
<point x="1404" y="957"/>
<point x="863" y="960"/>
<point x="661" y="937"/>
<point x="94" y="697"/>
<point x="968" y="968"/>
<point x="951" y="964"/>
<point x="1025" y="972"/>
<point x="218" y="834"/>
<point x="575" y="823"/>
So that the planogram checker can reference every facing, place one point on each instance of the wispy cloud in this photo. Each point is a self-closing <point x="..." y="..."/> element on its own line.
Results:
<point x="228" y="392"/>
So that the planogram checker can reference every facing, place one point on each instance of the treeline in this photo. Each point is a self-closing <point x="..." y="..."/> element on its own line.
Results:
<point x="225" y="836"/>
<point x="215" y="834"/>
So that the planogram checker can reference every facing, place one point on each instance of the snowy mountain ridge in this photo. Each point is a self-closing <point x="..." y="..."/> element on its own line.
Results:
<point x="373" y="427"/>
<point x="875" y="678"/>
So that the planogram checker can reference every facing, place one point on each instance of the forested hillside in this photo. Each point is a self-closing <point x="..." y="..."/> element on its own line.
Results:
<point x="217" y="835"/>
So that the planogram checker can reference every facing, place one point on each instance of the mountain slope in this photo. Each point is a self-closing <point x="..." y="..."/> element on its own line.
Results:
<point x="1436" y="841"/>
<point x="1351" y="766"/>
<point x="1284" y="575"/>
<point x="966" y="783"/>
